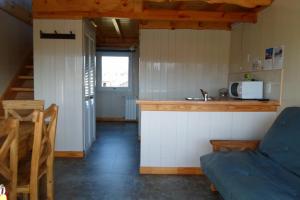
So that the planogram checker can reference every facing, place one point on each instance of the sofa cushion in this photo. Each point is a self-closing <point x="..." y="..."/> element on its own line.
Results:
<point x="250" y="176"/>
<point x="282" y="141"/>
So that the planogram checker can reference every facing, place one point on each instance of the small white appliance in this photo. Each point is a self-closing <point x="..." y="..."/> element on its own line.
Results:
<point x="247" y="89"/>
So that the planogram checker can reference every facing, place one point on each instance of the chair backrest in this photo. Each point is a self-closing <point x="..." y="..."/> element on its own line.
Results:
<point x="282" y="141"/>
<point x="22" y="109"/>
<point x="9" y="130"/>
<point x="43" y="143"/>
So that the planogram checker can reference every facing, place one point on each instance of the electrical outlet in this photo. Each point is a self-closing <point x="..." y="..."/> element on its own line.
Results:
<point x="268" y="88"/>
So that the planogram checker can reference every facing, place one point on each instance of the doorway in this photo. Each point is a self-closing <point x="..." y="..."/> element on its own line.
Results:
<point x="117" y="85"/>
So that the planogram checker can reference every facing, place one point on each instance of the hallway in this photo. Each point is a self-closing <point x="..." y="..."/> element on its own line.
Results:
<point x="110" y="171"/>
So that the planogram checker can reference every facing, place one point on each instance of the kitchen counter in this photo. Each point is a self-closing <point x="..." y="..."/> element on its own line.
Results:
<point x="174" y="134"/>
<point x="227" y="105"/>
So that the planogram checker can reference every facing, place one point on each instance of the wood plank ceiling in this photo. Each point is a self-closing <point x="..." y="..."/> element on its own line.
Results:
<point x="118" y="21"/>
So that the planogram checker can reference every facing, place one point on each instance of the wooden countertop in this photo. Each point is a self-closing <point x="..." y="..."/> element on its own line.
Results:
<point x="229" y="105"/>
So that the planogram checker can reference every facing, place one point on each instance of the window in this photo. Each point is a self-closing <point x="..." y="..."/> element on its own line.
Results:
<point x="114" y="71"/>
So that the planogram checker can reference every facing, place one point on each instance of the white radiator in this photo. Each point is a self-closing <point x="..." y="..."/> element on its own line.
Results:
<point x="130" y="107"/>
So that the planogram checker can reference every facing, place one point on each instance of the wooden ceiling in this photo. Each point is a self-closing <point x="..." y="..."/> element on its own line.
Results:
<point x="118" y="21"/>
<point x="117" y="33"/>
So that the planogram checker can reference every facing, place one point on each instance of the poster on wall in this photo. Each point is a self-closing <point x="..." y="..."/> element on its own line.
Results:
<point x="268" y="64"/>
<point x="278" y="57"/>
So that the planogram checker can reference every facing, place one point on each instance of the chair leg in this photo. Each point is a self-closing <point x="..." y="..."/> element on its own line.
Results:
<point x="213" y="188"/>
<point x="34" y="190"/>
<point x="49" y="181"/>
<point x="14" y="170"/>
<point x="12" y="192"/>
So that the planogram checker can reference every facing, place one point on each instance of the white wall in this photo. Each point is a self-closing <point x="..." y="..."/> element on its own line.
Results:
<point x="175" y="64"/>
<point x="15" y="47"/>
<point x="277" y="25"/>
<point x="58" y="74"/>
<point x="111" y="104"/>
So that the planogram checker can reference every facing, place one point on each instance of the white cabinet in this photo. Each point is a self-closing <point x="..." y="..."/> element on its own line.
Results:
<point x="64" y="72"/>
<point x="178" y="139"/>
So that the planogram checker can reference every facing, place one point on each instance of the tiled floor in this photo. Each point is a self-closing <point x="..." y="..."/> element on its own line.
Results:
<point x="110" y="171"/>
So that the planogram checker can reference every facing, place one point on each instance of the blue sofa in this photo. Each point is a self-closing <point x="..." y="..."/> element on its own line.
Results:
<point x="270" y="172"/>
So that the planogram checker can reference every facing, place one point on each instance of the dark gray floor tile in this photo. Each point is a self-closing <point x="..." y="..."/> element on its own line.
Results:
<point x="110" y="172"/>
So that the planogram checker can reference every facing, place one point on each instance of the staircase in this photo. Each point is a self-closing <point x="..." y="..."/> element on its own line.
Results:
<point x="21" y="86"/>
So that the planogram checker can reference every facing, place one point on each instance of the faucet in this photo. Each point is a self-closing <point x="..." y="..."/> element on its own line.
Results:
<point x="204" y="94"/>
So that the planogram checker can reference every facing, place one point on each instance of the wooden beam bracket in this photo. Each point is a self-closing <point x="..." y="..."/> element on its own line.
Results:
<point x="117" y="25"/>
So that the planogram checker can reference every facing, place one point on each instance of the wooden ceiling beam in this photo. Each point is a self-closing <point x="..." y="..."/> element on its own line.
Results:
<point x="118" y="40"/>
<point x="210" y="16"/>
<point x="242" y="3"/>
<point x="117" y="25"/>
<point x="138" y="6"/>
<point x="126" y="9"/>
<point x="185" y="25"/>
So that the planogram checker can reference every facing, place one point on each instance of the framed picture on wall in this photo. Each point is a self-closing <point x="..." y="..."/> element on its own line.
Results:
<point x="278" y="57"/>
<point x="268" y="64"/>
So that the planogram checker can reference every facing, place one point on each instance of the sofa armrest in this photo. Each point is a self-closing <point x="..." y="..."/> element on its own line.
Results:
<point x="237" y="145"/>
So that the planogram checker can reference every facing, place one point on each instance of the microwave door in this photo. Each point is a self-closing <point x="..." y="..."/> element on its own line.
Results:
<point x="234" y="90"/>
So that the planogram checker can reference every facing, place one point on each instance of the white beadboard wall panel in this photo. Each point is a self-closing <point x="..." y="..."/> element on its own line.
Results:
<point x="168" y="158"/>
<point x="224" y="129"/>
<point x="176" y="63"/>
<point x="249" y="125"/>
<point x="182" y="139"/>
<point x="149" y="139"/>
<point x="130" y="108"/>
<point x="178" y="139"/>
<point x="58" y="78"/>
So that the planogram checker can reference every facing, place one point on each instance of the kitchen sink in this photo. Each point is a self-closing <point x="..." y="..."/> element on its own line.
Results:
<point x="197" y="99"/>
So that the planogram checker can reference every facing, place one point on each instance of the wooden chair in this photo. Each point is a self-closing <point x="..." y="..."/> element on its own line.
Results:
<point x="42" y="155"/>
<point x="23" y="110"/>
<point x="9" y="151"/>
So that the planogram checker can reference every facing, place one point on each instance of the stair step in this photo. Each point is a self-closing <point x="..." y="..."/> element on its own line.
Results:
<point x="29" y="66"/>
<point x="25" y="77"/>
<point x="22" y="89"/>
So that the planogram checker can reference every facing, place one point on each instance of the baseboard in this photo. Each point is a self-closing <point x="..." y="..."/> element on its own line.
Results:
<point x="114" y="119"/>
<point x="69" y="154"/>
<point x="172" y="170"/>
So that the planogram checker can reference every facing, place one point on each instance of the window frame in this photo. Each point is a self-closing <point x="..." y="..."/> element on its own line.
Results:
<point x="99" y="70"/>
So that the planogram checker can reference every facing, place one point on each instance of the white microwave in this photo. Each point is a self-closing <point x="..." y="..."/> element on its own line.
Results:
<point x="247" y="89"/>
